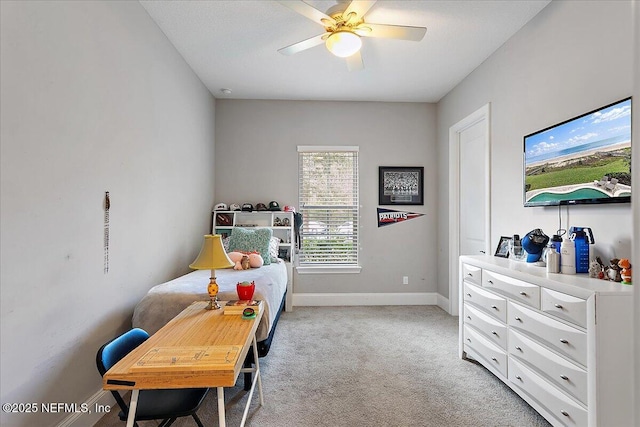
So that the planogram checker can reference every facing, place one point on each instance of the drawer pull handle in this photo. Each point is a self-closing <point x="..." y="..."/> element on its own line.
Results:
<point x="469" y="339"/>
<point x="559" y="306"/>
<point x="565" y="413"/>
<point x="519" y="377"/>
<point x="564" y="377"/>
<point x="494" y="307"/>
<point x="494" y="359"/>
<point x="469" y="274"/>
<point x="469" y="317"/>
<point x="518" y="319"/>
<point x="490" y="281"/>
<point x="564" y="341"/>
<point x="469" y="295"/>
<point x="523" y="293"/>
<point x="494" y="333"/>
<point x="518" y="348"/>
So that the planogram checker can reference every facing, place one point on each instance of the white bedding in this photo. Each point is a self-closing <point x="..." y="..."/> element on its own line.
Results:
<point x="163" y="302"/>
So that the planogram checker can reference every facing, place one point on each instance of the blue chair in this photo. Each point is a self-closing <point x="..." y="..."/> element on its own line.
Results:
<point x="166" y="405"/>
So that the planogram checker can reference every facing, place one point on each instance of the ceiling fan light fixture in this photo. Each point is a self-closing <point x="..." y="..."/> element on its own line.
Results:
<point x="343" y="43"/>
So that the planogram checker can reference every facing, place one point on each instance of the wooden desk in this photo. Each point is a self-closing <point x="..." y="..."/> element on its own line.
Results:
<point x="197" y="349"/>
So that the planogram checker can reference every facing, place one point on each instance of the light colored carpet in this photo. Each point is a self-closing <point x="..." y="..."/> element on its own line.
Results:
<point x="368" y="366"/>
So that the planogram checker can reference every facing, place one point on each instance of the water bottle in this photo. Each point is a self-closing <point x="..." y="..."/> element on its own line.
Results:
<point x="582" y="253"/>
<point x="553" y="260"/>
<point x="582" y="237"/>
<point x="567" y="257"/>
<point x="556" y="241"/>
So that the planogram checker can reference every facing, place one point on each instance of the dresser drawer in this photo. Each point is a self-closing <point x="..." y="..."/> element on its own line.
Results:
<point x="566" y="410"/>
<point x="490" y="303"/>
<point x="561" y="337"/>
<point x="518" y="290"/>
<point x="566" y="375"/>
<point x="484" y="351"/>
<point x="472" y="274"/>
<point x="565" y="306"/>
<point x="493" y="329"/>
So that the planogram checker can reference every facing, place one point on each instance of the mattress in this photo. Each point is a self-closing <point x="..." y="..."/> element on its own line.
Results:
<point x="165" y="301"/>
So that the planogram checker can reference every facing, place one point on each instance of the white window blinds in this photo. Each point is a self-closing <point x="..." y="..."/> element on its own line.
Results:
<point x="328" y="201"/>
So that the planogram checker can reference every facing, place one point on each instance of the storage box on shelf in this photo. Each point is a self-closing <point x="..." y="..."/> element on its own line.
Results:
<point x="562" y="342"/>
<point x="281" y="224"/>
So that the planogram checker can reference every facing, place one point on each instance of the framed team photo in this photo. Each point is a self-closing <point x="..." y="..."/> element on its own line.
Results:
<point x="400" y="185"/>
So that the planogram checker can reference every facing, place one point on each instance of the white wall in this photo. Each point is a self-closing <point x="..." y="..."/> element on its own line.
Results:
<point x="256" y="161"/>
<point x="93" y="99"/>
<point x="574" y="56"/>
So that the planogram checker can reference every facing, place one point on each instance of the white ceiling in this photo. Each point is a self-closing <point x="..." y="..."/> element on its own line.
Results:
<point x="234" y="45"/>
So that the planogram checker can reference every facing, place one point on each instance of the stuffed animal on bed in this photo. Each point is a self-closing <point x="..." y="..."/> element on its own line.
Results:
<point x="255" y="260"/>
<point x="244" y="261"/>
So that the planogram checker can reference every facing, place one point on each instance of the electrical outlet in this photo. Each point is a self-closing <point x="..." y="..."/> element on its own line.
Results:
<point x="405" y="280"/>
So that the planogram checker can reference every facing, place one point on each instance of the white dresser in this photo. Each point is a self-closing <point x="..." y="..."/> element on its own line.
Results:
<point x="562" y="342"/>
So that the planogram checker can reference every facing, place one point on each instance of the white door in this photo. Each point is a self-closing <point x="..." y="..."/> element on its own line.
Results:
<point x="472" y="190"/>
<point x="469" y="194"/>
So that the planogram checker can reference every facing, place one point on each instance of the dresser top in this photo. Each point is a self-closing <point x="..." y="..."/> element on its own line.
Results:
<point x="577" y="284"/>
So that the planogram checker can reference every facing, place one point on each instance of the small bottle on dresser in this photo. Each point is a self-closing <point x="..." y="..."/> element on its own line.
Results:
<point x="553" y="260"/>
<point x="567" y="257"/>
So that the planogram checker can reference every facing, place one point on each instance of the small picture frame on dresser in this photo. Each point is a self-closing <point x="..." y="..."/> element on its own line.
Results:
<point x="502" y="250"/>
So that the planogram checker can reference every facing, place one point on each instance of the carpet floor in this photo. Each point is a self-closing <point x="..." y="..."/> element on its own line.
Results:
<point x="368" y="366"/>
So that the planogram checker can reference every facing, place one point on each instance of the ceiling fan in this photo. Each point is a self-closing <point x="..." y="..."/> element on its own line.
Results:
<point x="344" y="26"/>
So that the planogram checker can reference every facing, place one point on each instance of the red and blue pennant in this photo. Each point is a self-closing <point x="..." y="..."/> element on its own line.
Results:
<point x="390" y="216"/>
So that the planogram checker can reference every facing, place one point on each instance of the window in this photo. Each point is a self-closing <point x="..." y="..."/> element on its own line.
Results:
<point x="328" y="201"/>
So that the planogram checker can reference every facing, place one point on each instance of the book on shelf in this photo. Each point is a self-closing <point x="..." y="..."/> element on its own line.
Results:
<point x="238" y="306"/>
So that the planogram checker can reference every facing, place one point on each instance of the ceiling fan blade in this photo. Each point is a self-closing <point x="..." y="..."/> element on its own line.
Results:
<point x="391" y="31"/>
<point x="354" y="62"/>
<point x="360" y="8"/>
<point x="303" y="45"/>
<point x="309" y="11"/>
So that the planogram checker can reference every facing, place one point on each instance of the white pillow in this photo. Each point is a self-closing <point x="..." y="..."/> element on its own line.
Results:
<point x="274" y="244"/>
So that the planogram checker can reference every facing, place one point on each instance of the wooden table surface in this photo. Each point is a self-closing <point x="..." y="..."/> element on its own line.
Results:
<point x="197" y="348"/>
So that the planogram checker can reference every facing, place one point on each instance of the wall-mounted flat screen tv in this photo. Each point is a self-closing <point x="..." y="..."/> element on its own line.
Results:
<point x="586" y="159"/>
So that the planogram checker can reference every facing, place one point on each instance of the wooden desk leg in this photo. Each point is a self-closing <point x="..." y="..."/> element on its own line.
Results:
<point x="221" y="414"/>
<point x="133" y="406"/>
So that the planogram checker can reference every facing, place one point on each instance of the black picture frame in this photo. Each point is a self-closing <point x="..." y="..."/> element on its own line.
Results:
<point x="502" y="250"/>
<point x="401" y="185"/>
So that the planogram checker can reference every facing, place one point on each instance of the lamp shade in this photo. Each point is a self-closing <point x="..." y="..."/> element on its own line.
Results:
<point x="212" y="255"/>
<point x="343" y="43"/>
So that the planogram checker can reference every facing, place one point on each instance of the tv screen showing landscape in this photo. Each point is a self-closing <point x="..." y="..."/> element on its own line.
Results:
<point x="586" y="159"/>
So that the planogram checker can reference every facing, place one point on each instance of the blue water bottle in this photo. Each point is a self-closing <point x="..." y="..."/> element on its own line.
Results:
<point x="582" y="238"/>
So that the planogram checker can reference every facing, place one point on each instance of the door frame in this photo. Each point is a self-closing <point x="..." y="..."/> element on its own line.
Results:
<point x="483" y="113"/>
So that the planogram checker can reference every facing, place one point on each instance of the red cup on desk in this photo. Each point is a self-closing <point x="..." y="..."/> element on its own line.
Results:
<point x="246" y="290"/>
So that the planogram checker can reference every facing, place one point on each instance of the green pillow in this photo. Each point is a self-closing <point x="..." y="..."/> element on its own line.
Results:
<point x="251" y="240"/>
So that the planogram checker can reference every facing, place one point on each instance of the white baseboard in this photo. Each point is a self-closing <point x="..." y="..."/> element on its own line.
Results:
<point x="338" y="299"/>
<point x="443" y="303"/>
<point x="100" y="400"/>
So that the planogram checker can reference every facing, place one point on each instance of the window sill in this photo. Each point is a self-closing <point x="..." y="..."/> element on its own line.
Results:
<point x="329" y="269"/>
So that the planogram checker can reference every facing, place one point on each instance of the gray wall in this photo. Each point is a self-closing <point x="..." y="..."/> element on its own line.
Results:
<point x="256" y="161"/>
<point x="94" y="99"/>
<point x="574" y="56"/>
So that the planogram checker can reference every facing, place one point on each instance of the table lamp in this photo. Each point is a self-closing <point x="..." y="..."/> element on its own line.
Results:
<point x="211" y="257"/>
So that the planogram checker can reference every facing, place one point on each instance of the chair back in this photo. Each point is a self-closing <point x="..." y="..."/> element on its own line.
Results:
<point x="111" y="353"/>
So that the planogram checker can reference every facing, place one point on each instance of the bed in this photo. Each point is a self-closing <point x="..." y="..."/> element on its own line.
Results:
<point x="164" y="301"/>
